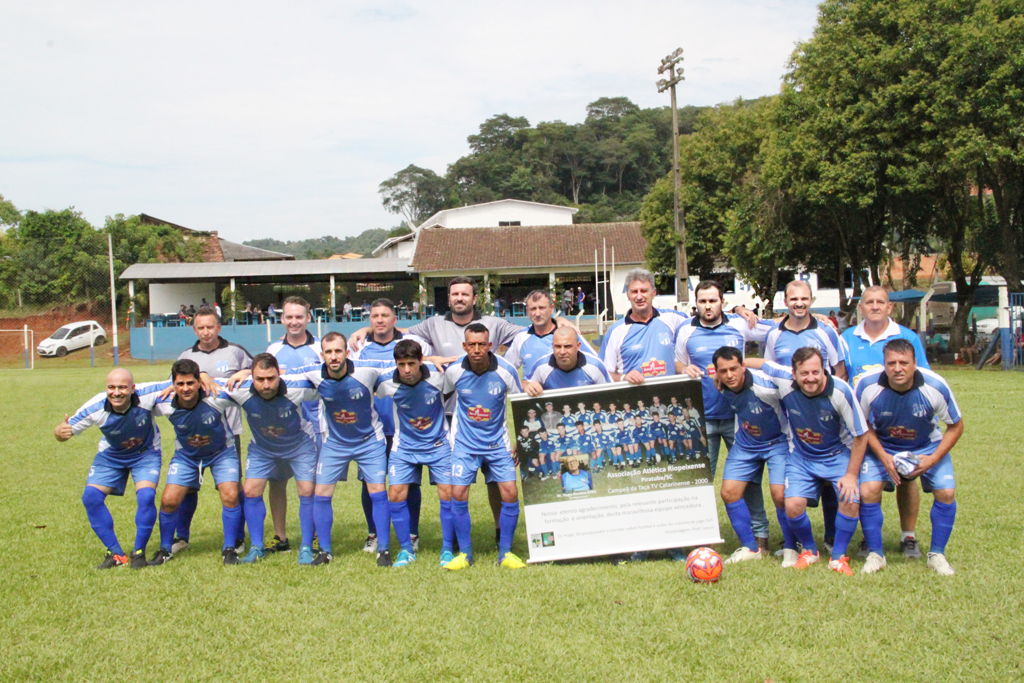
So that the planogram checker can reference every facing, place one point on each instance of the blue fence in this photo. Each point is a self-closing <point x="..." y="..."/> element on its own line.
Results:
<point x="1013" y="341"/>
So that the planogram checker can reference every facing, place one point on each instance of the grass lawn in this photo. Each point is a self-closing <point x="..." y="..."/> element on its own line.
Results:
<point x="197" y="620"/>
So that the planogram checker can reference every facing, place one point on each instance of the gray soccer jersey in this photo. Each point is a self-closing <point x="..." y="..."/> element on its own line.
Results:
<point x="446" y="336"/>
<point x="221" y="363"/>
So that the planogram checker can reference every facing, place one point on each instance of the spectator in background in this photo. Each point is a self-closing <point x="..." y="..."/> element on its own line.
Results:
<point x="216" y="307"/>
<point x="832" y="318"/>
<point x="183" y="316"/>
<point x="567" y="302"/>
<point x="346" y="310"/>
<point x="415" y="310"/>
<point x="969" y="351"/>
<point x="248" y="313"/>
<point x="257" y="314"/>
<point x="497" y="306"/>
<point x="271" y="312"/>
<point x="580" y="298"/>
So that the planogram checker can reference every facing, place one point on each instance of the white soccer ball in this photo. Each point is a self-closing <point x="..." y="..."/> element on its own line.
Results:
<point x="905" y="463"/>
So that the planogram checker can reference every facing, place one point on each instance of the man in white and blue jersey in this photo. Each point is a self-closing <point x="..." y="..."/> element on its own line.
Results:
<point x="904" y="405"/>
<point x="531" y="345"/>
<point x="657" y="431"/>
<point x="762" y="438"/>
<point x="583" y="447"/>
<point x="545" y="455"/>
<point x="421" y="439"/>
<point x="829" y="440"/>
<point x="605" y="446"/>
<point x="202" y="440"/>
<point x="379" y="351"/>
<point x="575" y="479"/>
<point x="624" y="437"/>
<point x="864" y="344"/>
<point x="129" y="445"/>
<point x="675" y="434"/>
<point x="642" y="412"/>
<point x="567" y="420"/>
<point x="298" y="352"/>
<point x="480" y="382"/>
<point x="567" y="366"/>
<point x="532" y="423"/>
<point x="696" y="345"/>
<point x="560" y="441"/>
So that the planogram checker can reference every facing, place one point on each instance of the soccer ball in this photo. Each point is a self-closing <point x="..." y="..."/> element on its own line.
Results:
<point x="905" y="463"/>
<point x="704" y="565"/>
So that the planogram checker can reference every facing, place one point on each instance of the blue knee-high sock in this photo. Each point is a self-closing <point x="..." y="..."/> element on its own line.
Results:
<point x="231" y="518"/>
<point x="845" y="528"/>
<point x="829" y="510"/>
<point x="415" y="501"/>
<point x="871" y="519"/>
<point x="739" y="517"/>
<point x="507" y="521"/>
<point x="400" y="520"/>
<point x="145" y="517"/>
<point x="447" y="526"/>
<point x="186" y="511"/>
<point x="306" y="520"/>
<point x="463" y="526"/>
<point x="371" y="527"/>
<point x="100" y="518"/>
<point x="323" y="519"/>
<point x="801" y="527"/>
<point x="382" y="519"/>
<point x="943" y="515"/>
<point x="168" y="527"/>
<point x="255" y="516"/>
<point x="788" y="537"/>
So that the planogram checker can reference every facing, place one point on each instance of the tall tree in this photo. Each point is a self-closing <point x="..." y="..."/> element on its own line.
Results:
<point x="415" y="193"/>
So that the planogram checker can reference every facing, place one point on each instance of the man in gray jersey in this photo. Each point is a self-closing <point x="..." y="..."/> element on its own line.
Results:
<point x="218" y="358"/>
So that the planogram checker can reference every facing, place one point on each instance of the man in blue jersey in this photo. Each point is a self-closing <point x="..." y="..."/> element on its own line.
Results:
<point x="904" y="405"/>
<point x="583" y="447"/>
<point x="129" y="445"/>
<point x="545" y="455"/>
<point x="696" y="344"/>
<point x="480" y="383"/>
<point x="605" y="447"/>
<point x="421" y="439"/>
<point x="566" y="366"/>
<point x="574" y="479"/>
<point x="829" y="440"/>
<point x="863" y="348"/>
<point x="529" y="346"/>
<point x="202" y="441"/>
<point x="762" y="438"/>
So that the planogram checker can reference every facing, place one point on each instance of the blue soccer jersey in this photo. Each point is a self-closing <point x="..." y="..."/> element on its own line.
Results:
<point x="580" y="481"/>
<point x="123" y="435"/>
<point x="644" y="415"/>
<point x="582" y="443"/>
<point x="418" y="410"/>
<point x="908" y="421"/>
<point x="382" y="356"/>
<point x="822" y="425"/>
<point x="200" y="432"/>
<point x="561" y="443"/>
<point x="603" y="440"/>
<point x="864" y="355"/>
<point x="656" y="430"/>
<point x="348" y="403"/>
<point x="569" y="422"/>
<point x="528" y="350"/>
<point x="646" y="347"/>
<point x="546" y="446"/>
<point x="589" y="370"/>
<point x="782" y="342"/>
<point x="760" y="420"/>
<point x="279" y="425"/>
<point x="297" y="360"/>
<point x="478" y="423"/>
<point x="696" y="345"/>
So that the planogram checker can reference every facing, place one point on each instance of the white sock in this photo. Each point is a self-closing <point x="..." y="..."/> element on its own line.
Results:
<point x="906" y="535"/>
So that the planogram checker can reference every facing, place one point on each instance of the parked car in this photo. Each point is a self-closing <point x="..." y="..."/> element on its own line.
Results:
<point x="72" y="336"/>
<point x="988" y="325"/>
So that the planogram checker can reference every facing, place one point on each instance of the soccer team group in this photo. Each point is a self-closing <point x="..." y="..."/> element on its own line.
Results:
<point x="434" y="396"/>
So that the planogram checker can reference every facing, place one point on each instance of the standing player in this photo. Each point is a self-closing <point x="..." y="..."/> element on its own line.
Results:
<point x="625" y="437"/>
<point x="480" y="383"/>
<point x="904" y="405"/>
<point x="529" y="346"/>
<point x="130" y="444"/>
<point x="863" y="347"/>
<point x="583" y="446"/>
<point x="532" y="423"/>
<point x="657" y="430"/>
<point x="560" y="443"/>
<point x="545" y="455"/>
<point x="644" y="437"/>
<point x="605" y="447"/>
<point x="550" y="419"/>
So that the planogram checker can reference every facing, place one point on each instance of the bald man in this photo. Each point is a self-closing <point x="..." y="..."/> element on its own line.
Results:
<point x="566" y="366"/>
<point x="129" y="445"/>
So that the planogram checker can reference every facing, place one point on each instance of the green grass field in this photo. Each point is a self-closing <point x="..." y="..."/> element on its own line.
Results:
<point x="197" y="620"/>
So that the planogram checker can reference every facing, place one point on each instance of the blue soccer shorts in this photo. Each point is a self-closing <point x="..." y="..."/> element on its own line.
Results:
<point x="804" y="475"/>
<point x="496" y="464"/>
<point x="744" y="465"/>
<point x="406" y="467"/>
<point x="184" y="471"/>
<point x="107" y="470"/>
<point x="940" y="476"/>
<point x="300" y="463"/>
<point x="370" y="455"/>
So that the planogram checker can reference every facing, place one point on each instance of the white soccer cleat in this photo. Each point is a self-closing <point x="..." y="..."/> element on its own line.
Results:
<point x="937" y="563"/>
<point x="874" y="563"/>
<point x="371" y="544"/>
<point x="742" y="554"/>
<point x="789" y="557"/>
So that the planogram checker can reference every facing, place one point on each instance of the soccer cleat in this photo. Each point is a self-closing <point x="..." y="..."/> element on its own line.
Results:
<point x="910" y="549"/>
<point x="742" y="554"/>
<point x="305" y="555"/>
<point x="384" y="558"/>
<point x="676" y="554"/>
<point x="404" y="559"/>
<point x="842" y="565"/>
<point x="371" y="544"/>
<point x="322" y="557"/>
<point x="239" y="547"/>
<point x="161" y="556"/>
<point x="112" y="560"/>
<point x="459" y="562"/>
<point x="937" y="563"/>
<point x="446" y="557"/>
<point x="230" y="556"/>
<point x="828" y="543"/>
<point x="874" y="563"/>
<point x="179" y="545"/>
<point x="510" y="561"/>
<point x="139" y="559"/>
<point x="789" y="557"/>
<point x="415" y="542"/>
<point x="806" y="559"/>
<point x="279" y="546"/>
<point x="254" y="556"/>
<point x="640" y="556"/>
<point x="863" y="550"/>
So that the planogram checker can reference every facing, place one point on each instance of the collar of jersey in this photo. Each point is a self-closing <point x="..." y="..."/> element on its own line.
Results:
<point x="310" y="340"/>
<point x="892" y="330"/>
<point x="174" y="401"/>
<point x="829" y="386"/>
<point x="883" y="381"/>
<point x="630" y="321"/>
<point x="812" y="326"/>
<point x="349" y="369"/>
<point x="490" y="368"/>
<point x="581" y="360"/>
<point x="696" y="323"/>
<point x="533" y="331"/>
<point x="132" y="402"/>
<point x="222" y="343"/>
<point x="395" y="337"/>
<point x="424" y="373"/>
<point x="282" y="389"/>
<point x="476" y="317"/>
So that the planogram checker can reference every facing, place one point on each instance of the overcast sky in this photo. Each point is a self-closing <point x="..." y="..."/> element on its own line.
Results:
<point x="263" y="119"/>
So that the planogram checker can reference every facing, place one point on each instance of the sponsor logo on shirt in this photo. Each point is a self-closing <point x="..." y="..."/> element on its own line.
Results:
<point x="345" y="417"/>
<point x="753" y="430"/>
<point x="198" y="441"/>
<point x="809" y="437"/>
<point x="131" y="443"/>
<point x="710" y="370"/>
<point x="653" y="368"/>
<point x="421" y="423"/>
<point x="900" y="432"/>
<point x="479" y="414"/>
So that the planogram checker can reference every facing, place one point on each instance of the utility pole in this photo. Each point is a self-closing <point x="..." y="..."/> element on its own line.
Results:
<point x="668" y="64"/>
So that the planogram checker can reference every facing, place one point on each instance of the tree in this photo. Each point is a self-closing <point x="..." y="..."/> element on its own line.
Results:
<point x="415" y="193"/>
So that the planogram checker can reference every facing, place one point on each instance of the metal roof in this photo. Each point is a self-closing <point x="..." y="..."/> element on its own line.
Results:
<point x="265" y="270"/>
<point x="243" y="252"/>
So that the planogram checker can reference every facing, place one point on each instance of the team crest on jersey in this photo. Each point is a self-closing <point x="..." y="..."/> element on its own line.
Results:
<point x="479" y="414"/>
<point x="919" y="410"/>
<point x="421" y="423"/>
<point x="653" y="368"/>
<point x="755" y="408"/>
<point x="355" y="394"/>
<point x="345" y="417"/>
<point x="273" y="432"/>
<point x="285" y="413"/>
<point x="430" y="400"/>
<point x="664" y="338"/>
<point x="198" y="441"/>
<point x="753" y="430"/>
<point x="129" y="444"/>
<point x="140" y="421"/>
<point x="222" y="367"/>
<point x="900" y="432"/>
<point x="209" y="419"/>
<point x="825" y="415"/>
<point x="495" y="388"/>
<point x="809" y="437"/>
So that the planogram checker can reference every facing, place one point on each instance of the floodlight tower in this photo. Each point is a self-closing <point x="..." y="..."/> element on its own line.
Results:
<point x="675" y="75"/>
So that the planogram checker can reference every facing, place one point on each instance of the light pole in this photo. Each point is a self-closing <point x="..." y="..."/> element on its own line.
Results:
<point x="668" y="64"/>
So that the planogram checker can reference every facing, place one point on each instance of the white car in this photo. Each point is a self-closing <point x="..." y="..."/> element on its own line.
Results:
<point x="72" y="336"/>
<point x="988" y="325"/>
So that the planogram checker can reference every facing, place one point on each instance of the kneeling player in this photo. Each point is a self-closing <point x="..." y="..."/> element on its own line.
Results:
<point x="904" y="404"/>
<point x="130" y="445"/>
<point x="421" y="438"/>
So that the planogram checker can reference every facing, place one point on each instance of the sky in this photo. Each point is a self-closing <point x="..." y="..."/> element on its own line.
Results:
<point x="268" y="119"/>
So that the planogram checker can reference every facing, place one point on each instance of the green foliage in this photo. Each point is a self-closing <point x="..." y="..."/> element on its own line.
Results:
<point x="321" y="247"/>
<point x="415" y="193"/>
